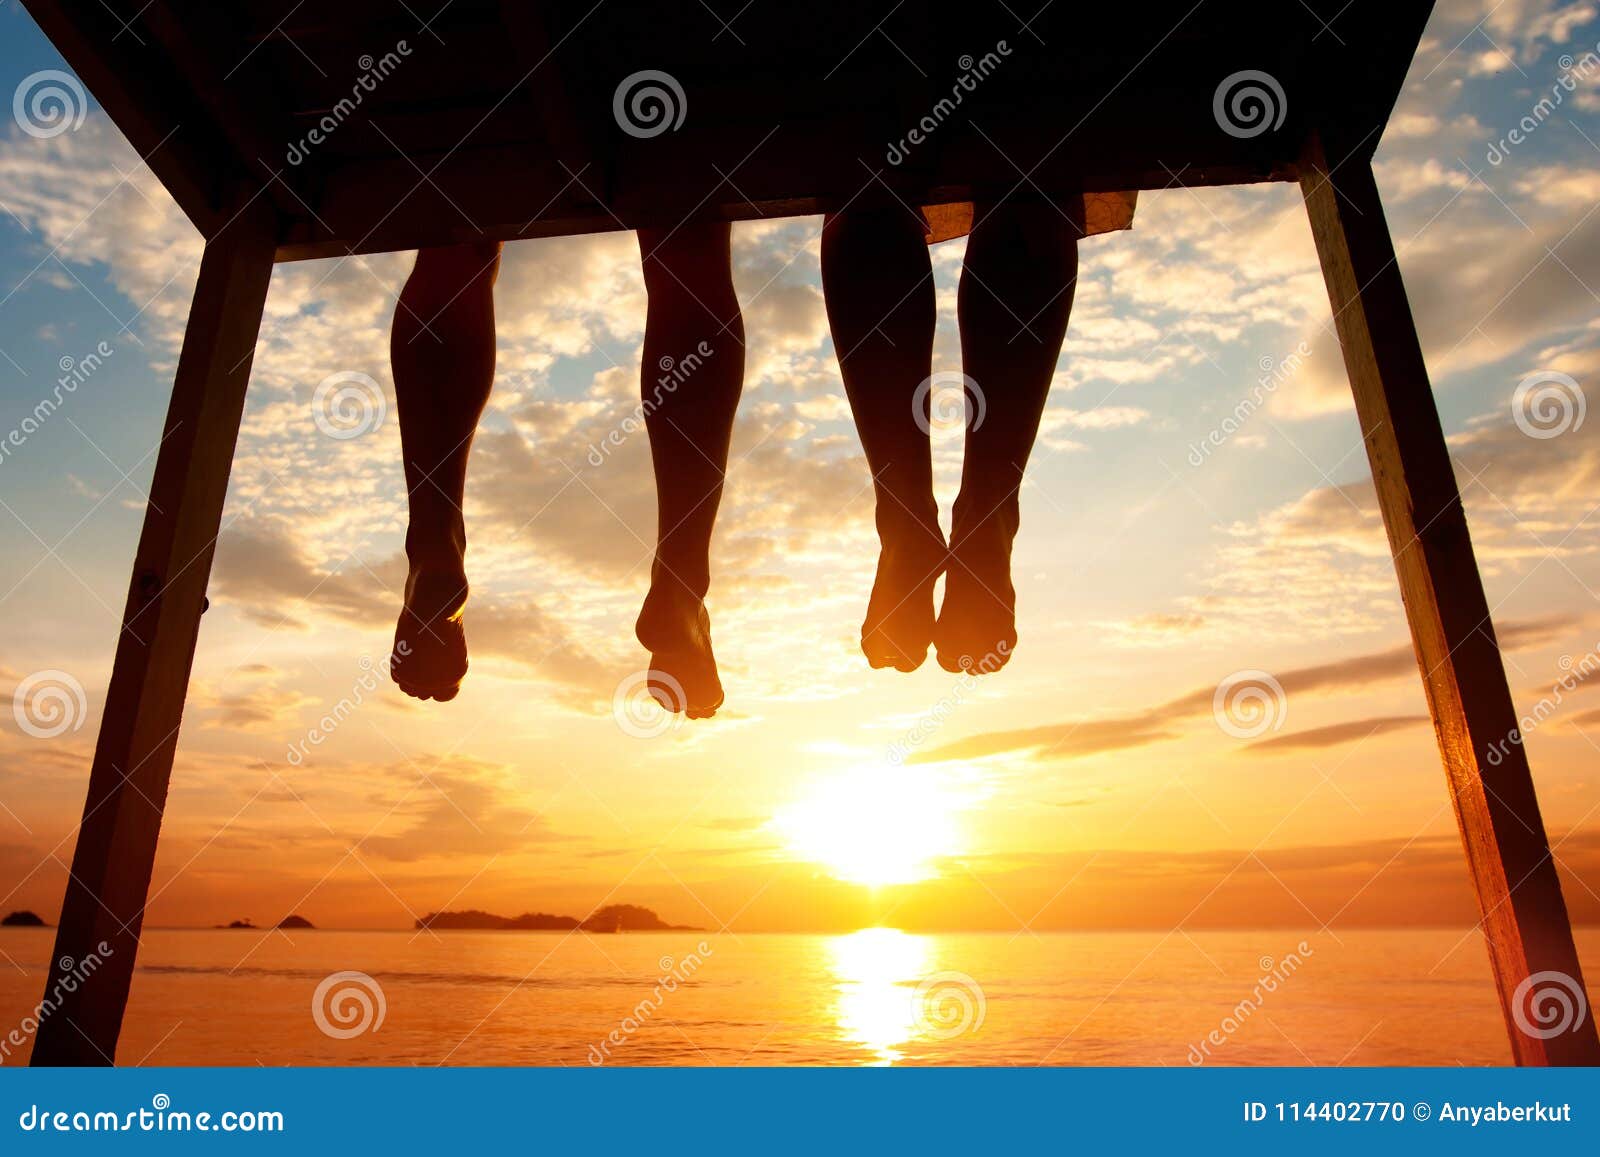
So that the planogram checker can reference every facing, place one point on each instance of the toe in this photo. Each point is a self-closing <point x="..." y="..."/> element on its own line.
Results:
<point x="666" y="691"/>
<point x="878" y="658"/>
<point x="975" y="658"/>
<point x="440" y="694"/>
<point x="702" y="702"/>
<point x="429" y="659"/>
<point x="686" y="683"/>
<point x="896" y="658"/>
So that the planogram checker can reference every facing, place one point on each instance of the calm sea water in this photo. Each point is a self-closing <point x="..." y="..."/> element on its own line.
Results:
<point x="874" y="997"/>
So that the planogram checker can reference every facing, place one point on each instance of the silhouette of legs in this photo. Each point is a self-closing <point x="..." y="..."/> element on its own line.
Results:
<point x="692" y="377"/>
<point x="878" y="285"/>
<point x="1016" y="291"/>
<point x="442" y="353"/>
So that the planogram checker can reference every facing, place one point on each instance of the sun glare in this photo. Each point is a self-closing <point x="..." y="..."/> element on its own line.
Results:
<point x="876" y="825"/>
<point x="873" y="969"/>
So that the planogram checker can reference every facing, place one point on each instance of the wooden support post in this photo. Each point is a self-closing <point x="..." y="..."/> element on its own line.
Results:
<point x="1524" y="917"/>
<point x="103" y="912"/>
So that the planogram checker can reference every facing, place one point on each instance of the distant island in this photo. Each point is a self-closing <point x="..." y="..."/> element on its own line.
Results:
<point x="472" y="918"/>
<point x="290" y="921"/>
<point x="611" y="918"/>
<point x="22" y="919"/>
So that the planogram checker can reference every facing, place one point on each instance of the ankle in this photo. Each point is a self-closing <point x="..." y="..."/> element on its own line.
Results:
<point x="670" y="619"/>
<point x="681" y="579"/>
<point x="902" y="525"/>
<point x="985" y="522"/>
<point x="437" y="546"/>
<point x="433" y="594"/>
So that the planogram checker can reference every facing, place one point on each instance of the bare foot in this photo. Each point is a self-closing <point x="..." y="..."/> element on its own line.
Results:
<point x="899" y="623"/>
<point x="430" y="646"/>
<point x="676" y="629"/>
<point x="977" y="627"/>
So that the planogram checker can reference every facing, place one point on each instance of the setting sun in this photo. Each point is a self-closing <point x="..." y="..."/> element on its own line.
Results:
<point x="877" y="825"/>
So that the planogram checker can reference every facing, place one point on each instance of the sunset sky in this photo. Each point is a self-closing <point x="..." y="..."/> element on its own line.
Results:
<point x="1088" y="785"/>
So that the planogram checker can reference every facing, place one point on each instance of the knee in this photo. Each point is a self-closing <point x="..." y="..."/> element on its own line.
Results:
<point x="688" y="264"/>
<point x="870" y="236"/>
<point x="1040" y="231"/>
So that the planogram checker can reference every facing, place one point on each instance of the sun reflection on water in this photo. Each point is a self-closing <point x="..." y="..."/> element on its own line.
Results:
<point x="875" y="971"/>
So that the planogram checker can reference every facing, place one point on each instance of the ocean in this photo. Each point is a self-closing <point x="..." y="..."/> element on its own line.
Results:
<point x="876" y="997"/>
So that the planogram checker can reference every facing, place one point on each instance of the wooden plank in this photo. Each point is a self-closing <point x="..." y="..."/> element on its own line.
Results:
<point x="250" y="150"/>
<point x="547" y="94"/>
<point x="144" y="94"/>
<point x="1115" y="106"/>
<point x="1524" y="919"/>
<point x="104" y="907"/>
<point x="1356" y="67"/>
<point x="383" y="204"/>
<point x="777" y="123"/>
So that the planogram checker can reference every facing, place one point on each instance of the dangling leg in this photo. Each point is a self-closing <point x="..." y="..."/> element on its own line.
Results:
<point x="1016" y="293"/>
<point x="693" y="374"/>
<point x="442" y="352"/>
<point x="878" y="284"/>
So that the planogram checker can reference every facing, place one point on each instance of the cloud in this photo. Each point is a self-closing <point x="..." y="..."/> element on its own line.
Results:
<point x="455" y="806"/>
<point x="251" y="698"/>
<point x="260" y="567"/>
<point x="1485" y="288"/>
<point x="1325" y="555"/>
<point x="1332" y="736"/>
<point x="90" y="202"/>
<point x="1071" y="740"/>
<point x="1407" y="881"/>
<point x="1078" y="738"/>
